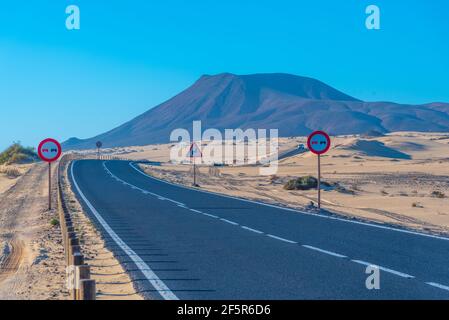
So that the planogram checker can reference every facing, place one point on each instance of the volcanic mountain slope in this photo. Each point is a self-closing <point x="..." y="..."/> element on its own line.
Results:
<point x="294" y="105"/>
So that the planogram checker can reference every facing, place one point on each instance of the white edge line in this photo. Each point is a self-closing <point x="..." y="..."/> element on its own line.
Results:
<point x="210" y="215"/>
<point x="229" y="221"/>
<point x="157" y="283"/>
<point x="252" y="230"/>
<point x="297" y="211"/>
<point x="400" y="274"/>
<point x="437" y="285"/>
<point x="281" y="239"/>
<point x="324" y="251"/>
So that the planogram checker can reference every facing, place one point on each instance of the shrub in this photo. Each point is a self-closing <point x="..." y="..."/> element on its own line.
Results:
<point x="17" y="154"/>
<point x="438" y="194"/>
<point x="54" y="222"/>
<point x="302" y="183"/>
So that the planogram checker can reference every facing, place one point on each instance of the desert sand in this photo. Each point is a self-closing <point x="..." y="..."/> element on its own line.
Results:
<point x="400" y="179"/>
<point x="32" y="261"/>
<point x="31" y="257"/>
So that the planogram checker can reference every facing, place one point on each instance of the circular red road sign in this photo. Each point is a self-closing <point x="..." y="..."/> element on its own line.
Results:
<point x="49" y="150"/>
<point x="319" y="142"/>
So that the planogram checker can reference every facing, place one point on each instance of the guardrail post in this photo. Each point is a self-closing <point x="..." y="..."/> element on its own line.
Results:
<point x="77" y="260"/>
<point x="82" y="273"/>
<point x="87" y="290"/>
<point x="83" y="287"/>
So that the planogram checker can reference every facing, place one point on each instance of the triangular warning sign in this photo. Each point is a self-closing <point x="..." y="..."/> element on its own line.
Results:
<point x="194" y="151"/>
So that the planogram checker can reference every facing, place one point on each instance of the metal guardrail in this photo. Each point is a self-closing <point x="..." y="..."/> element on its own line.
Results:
<point x="81" y="286"/>
<point x="79" y="281"/>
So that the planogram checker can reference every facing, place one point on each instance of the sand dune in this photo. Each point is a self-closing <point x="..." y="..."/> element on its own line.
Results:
<point x="373" y="148"/>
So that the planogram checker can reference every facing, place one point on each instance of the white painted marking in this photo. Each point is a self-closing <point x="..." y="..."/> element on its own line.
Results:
<point x="157" y="283"/>
<point x="400" y="274"/>
<point x="295" y="210"/>
<point x="171" y="200"/>
<point x="252" y="230"/>
<point x="229" y="221"/>
<point x="325" y="251"/>
<point x="180" y="204"/>
<point x="281" y="239"/>
<point x="437" y="285"/>
<point x="210" y="215"/>
<point x="197" y="211"/>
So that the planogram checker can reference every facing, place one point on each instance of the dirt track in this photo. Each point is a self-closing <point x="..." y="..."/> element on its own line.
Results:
<point x="13" y="256"/>
<point x="31" y="263"/>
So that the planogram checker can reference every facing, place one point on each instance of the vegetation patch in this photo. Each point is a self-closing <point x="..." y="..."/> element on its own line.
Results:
<point x="302" y="183"/>
<point x="438" y="194"/>
<point x="17" y="154"/>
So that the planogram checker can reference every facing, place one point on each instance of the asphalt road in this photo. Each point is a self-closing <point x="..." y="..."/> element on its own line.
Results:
<point x="180" y="243"/>
<point x="292" y="153"/>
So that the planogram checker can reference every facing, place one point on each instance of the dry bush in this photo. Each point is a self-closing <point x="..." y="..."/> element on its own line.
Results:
<point x="214" y="172"/>
<point x="10" y="172"/>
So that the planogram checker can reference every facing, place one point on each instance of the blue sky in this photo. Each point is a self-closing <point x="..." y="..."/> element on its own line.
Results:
<point x="131" y="55"/>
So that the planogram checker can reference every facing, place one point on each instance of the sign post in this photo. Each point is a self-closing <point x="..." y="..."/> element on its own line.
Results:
<point x="99" y="144"/>
<point x="194" y="152"/>
<point x="319" y="143"/>
<point x="49" y="150"/>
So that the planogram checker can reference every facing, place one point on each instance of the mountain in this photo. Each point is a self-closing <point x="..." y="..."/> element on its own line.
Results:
<point x="295" y="105"/>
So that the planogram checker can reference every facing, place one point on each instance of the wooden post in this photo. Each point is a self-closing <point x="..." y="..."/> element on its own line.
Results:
<point x="87" y="290"/>
<point x="319" y="182"/>
<point x="71" y="253"/>
<point x="73" y="242"/>
<point x="82" y="273"/>
<point x="77" y="260"/>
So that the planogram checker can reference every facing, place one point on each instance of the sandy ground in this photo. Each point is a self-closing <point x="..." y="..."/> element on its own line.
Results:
<point x="400" y="179"/>
<point x="112" y="282"/>
<point x="32" y="264"/>
<point x="31" y="252"/>
<point x="6" y="181"/>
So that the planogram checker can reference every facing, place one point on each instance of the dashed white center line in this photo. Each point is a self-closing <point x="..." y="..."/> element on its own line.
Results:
<point x="437" y="285"/>
<point x="325" y="251"/>
<point x="230" y="222"/>
<point x="281" y="239"/>
<point x="400" y="274"/>
<point x="252" y="230"/>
